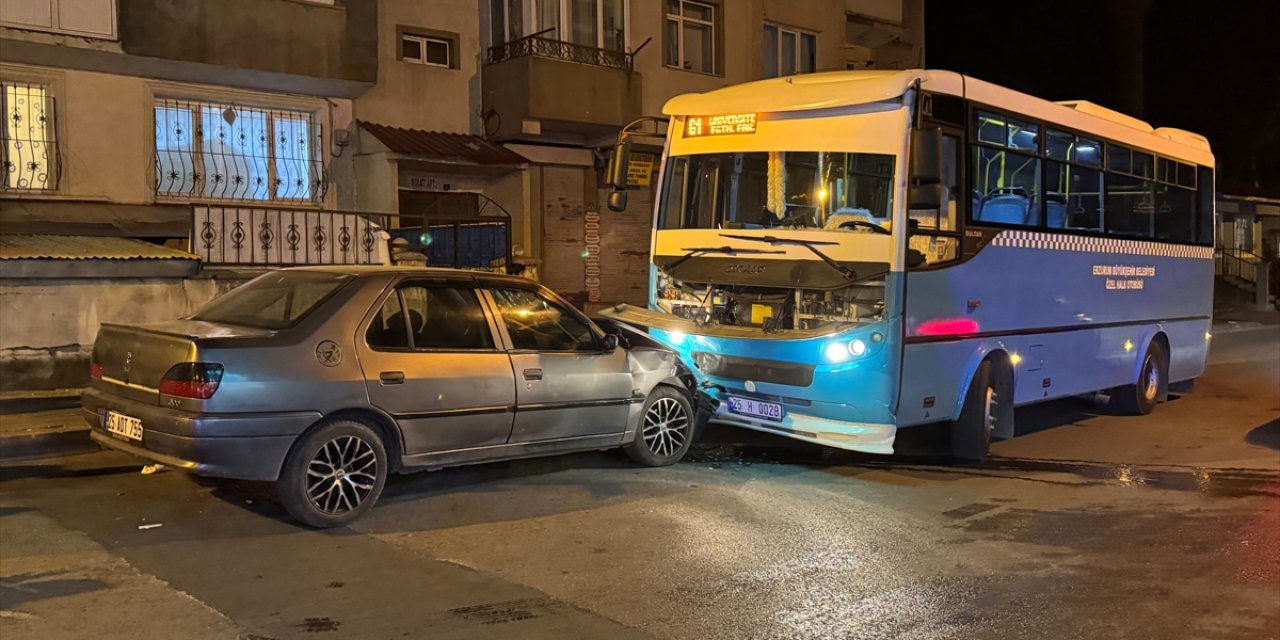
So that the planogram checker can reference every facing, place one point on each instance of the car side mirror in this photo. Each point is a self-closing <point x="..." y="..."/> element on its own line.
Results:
<point x="618" y="201"/>
<point x="610" y="343"/>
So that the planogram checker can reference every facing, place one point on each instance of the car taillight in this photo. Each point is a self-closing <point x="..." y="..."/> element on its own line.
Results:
<point x="197" y="380"/>
<point x="95" y="371"/>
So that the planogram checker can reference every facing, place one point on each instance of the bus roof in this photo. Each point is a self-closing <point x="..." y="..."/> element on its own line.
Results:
<point x="835" y="89"/>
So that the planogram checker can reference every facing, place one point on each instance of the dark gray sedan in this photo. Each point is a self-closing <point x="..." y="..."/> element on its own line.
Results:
<point x="324" y="380"/>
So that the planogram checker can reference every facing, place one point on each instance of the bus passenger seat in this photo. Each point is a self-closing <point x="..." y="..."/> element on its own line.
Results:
<point x="1005" y="208"/>
<point x="1055" y="205"/>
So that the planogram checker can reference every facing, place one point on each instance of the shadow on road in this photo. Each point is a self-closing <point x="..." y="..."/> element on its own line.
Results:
<point x="1267" y="435"/>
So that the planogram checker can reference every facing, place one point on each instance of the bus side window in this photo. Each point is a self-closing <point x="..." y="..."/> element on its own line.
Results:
<point x="924" y="246"/>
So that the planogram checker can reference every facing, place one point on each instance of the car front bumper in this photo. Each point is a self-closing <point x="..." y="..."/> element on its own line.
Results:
<point x="237" y="446"/>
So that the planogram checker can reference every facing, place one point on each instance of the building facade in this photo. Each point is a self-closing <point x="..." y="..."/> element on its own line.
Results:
<point x="553" y="82"/>
<point x="125" y="121"/>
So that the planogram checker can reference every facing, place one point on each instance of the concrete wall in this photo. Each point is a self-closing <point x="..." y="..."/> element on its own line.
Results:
<point x="418" y="96"/>
<point x="299" y="38"/>
<point x="49" y="347"/>
<point x="106" y="127"/>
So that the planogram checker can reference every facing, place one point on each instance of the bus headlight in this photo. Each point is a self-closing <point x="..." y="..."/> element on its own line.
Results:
<point x="836" y="352"/>
<point x="857" y="347"/>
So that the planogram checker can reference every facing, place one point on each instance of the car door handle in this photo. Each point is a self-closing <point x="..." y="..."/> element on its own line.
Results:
<point x="533" y="374"/>
<point x="391" y="377"/>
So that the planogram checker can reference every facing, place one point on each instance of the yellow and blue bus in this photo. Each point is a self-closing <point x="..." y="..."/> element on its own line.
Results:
<point x="842" y="255"/>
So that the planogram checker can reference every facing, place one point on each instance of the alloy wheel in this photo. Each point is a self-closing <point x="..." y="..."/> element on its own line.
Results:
<point x="341" y="474"/>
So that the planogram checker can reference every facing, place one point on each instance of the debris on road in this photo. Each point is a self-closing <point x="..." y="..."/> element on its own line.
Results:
<point x="152" y="468"/>
<point x="143" y="527"/>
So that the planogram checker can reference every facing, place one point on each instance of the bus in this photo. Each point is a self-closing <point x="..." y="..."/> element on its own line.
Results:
<point x="839" y="256"/>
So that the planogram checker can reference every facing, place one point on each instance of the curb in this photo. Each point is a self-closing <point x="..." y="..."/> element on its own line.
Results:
<point x="48" y="443"/>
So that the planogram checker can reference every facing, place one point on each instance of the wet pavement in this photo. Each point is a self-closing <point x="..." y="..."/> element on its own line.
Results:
<point x="1086" y="525"/>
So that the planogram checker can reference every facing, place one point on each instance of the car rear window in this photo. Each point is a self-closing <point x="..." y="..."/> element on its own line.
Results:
<point x="273" y="301"/>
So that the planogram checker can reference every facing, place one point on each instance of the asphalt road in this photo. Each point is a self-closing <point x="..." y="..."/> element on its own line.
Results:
<point x="1086" y="525"/>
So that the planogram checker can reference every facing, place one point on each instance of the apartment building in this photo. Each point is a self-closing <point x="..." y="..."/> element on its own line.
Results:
<point x="491" y="120"/>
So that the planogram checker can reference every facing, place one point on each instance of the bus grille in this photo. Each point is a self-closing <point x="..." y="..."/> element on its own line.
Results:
<point x="777" y="372"/>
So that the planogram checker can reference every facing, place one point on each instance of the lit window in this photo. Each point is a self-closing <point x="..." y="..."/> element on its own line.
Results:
<point x="787" y="52"/>
<point x="434" y="52"/>
<point x="30" y="151"/>
<point x="690" y="36"/>
<point x="231" y="152"/>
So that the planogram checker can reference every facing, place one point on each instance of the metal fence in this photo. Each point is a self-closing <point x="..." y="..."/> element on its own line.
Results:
<point x="1237" y="263"/>
<point x="536" y="45"/>
<point x="28" y="140"/>
<point x="274" y="237"/>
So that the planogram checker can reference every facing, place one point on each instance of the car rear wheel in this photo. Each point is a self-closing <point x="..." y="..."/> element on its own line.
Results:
<point x="665" y="431"/>
<point x="334" y="474"/>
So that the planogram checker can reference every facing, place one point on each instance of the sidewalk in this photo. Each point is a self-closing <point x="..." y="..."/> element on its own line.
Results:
<point x="37" y="424"/>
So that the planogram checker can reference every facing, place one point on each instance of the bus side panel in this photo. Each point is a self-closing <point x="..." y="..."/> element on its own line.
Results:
<point x="1075" y="314"/>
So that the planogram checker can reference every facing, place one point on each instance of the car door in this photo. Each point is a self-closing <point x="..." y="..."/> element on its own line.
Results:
<point x="567" y="384"/>
<point x="431" y="360"/>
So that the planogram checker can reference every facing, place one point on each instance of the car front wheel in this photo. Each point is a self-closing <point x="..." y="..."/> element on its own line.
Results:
<point x="334" y="474"/>
<point x="665" y="430"/>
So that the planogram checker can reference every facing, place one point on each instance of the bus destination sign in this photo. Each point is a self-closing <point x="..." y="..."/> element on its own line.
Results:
<point x="722" y="125"/>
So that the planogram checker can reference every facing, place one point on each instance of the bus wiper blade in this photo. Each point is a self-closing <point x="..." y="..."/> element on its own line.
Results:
<point x="697" y="251"/>
<point x="811" y="245"/>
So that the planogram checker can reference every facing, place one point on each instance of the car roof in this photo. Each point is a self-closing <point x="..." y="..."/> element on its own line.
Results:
<point x="366" y="270"/>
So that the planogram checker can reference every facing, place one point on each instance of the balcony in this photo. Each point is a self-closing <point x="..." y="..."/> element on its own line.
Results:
<point x="541" y="89"/>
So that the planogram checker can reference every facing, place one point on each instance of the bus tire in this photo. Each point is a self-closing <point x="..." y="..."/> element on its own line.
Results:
<point x="1153" y="384"/>
<point x="971" y="433"/>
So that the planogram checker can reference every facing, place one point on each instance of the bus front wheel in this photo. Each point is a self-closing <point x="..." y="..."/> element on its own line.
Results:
<point x="1152" y="385"/>
<point x="987" y="403"/>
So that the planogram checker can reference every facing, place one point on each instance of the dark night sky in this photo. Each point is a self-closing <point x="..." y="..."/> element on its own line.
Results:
<point x="1208" y="67"/>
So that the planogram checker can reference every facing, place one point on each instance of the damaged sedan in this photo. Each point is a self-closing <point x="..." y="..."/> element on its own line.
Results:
<point x="323" y="380"/>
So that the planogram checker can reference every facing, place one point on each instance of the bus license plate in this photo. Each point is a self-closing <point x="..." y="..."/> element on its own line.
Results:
<point x="124" y="426"/>
<point x="755" y="408"/>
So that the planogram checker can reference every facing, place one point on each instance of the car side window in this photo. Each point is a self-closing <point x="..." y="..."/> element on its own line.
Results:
<point x="431" y="318"/>
<point x="538" y="324"/>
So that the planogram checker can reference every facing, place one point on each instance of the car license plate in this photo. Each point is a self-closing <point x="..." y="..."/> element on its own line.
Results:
<point x="756" y="408"/>
<point x="125" y="426"/>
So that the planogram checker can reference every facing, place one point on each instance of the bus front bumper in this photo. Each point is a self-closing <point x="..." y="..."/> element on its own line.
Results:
<point x="854" y="436"/>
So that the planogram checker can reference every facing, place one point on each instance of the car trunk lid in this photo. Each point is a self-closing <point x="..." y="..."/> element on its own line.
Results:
<point x="133" y="359"/>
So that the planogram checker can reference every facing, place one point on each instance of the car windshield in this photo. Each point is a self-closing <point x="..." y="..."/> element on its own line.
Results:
<point x="769" y="189"/>
<point x="273" y="301"/>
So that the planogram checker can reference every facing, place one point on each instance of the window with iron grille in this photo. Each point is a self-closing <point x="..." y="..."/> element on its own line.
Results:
<point x="30" y="146"/>
<point x="212" y="151"/>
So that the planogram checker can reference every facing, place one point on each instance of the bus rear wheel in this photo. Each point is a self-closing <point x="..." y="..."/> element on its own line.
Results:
<point x="985" y="405"/>
<point x="1152" y="386"/>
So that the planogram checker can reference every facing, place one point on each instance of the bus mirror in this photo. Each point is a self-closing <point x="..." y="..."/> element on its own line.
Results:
<point x="927" y="197"/>
<point x="926" y="156"/>
<point x="618" y="201"/>
<point x="616" y="174"/>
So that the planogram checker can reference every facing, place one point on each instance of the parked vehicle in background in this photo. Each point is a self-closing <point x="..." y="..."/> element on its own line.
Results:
<point x="323" y="380"/>
<point x="842" y="255"/>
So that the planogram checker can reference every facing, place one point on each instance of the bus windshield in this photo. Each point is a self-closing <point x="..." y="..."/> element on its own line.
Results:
<point x="773" y="189"/>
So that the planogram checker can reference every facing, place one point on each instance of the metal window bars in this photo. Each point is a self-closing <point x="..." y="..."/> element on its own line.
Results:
<point x="536" y="45"/>
<point x="29" y="144"/>
<point x="221" y="151"/>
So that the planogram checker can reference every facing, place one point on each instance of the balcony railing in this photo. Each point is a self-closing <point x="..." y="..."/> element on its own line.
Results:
<point x="536" y="45"/>
<point x="276" y="237"/>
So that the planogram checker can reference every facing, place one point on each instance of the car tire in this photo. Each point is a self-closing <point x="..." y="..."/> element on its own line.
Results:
<point x="971" y="432"/>
<point x="334" y="474"/>
<point x="665" y="431"/>
<point x="1153" y="384"/>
